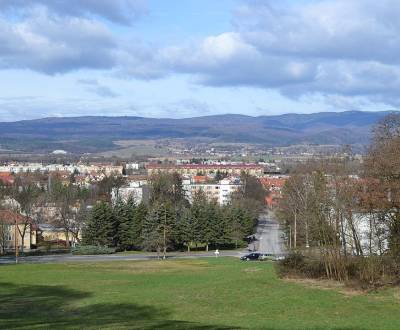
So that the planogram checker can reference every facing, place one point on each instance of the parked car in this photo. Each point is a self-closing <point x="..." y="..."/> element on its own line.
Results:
<point x="252" y="256"/>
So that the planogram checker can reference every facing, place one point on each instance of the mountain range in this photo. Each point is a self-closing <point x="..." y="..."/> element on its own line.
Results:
<point x="98" y="133"/>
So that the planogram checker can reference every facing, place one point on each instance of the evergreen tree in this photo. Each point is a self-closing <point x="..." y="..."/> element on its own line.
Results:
<point x="185" y="228"/>
<point x="212" y="222"/>
<point x="199" y="217"/>
<point x="99" y="230"/>
<point x="238" y="224"/>
<point x="124" y="224"/>
<point x="139" y="218"/>
<point x="159" y="228"/>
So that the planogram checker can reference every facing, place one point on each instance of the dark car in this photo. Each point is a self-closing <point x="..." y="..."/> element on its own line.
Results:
<point x="252" y="256"/>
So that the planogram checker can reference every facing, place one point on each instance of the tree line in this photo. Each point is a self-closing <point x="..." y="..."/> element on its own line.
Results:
<point x="338" y="212"/>
<point x="169" y="221"/>
<point x="166" y="221"/>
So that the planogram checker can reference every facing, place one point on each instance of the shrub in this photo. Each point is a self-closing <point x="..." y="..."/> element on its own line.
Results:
<point x="92" y="250"/>
<point x="299" y="265"/>
<point x="374" y="271"/>
<point x="366" y="272"/>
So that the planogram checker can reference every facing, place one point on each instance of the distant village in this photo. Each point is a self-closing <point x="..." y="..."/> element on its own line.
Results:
<point x="218" y="180"/>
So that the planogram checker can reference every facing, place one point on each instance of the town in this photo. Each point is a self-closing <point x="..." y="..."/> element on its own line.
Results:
<point x="39" y="224"/>
<point x="199" y="164"/>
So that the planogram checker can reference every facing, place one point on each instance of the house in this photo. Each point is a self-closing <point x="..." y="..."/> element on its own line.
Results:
<point x="48" y="233"/>
<point x="274" y="185"/>
<point x="16" y="228"/>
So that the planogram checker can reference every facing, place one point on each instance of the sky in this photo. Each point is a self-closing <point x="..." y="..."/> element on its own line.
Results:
<point x="187" y="58"/>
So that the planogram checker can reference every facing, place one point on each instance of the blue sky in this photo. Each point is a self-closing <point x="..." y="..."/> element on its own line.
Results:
<point x="183" y="58"/>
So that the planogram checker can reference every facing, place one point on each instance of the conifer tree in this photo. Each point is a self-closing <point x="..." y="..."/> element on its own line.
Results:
<point x="139" y="218"/>
<point x="185" y="228"/>
<point x="99" y="230"/>
<point x="159" y="228"/>
<point x="123" y="213"/>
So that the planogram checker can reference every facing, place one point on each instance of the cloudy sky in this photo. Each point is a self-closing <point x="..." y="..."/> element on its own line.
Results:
<point x="182" y="58"/>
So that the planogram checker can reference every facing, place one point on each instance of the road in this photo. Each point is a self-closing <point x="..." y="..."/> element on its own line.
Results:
<point x="268" y="240"/>
<point x="115" y="257"/>
<point x="268" y="236"/>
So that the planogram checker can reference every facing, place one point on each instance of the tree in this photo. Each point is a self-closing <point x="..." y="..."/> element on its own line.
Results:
<point x="166" y="187"/>
<point x="158" y="228"/>
<point x="99" y="229"/>
<point x="106" y="186"/>
<point x="69" y="208"/>
<point x="139" y="217"/>
<point x="27" y="195"/>
<point x="185" y="229"/>
<point x="383" y="164"/>
<point x="121" y="226"/>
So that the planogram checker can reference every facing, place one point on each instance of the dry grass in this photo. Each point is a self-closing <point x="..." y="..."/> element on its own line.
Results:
<point x="326" y="285"/>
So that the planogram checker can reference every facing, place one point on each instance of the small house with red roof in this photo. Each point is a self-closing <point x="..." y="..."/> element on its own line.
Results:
<point x="16" y="228"/>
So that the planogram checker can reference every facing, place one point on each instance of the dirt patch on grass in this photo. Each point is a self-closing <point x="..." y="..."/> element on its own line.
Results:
<point x="326" y="285"/>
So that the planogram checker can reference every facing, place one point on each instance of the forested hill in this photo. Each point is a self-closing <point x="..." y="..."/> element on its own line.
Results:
<point x="91" y="134"/>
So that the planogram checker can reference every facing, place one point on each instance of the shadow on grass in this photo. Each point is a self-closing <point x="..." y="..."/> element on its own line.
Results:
<point x="51" y="307"/>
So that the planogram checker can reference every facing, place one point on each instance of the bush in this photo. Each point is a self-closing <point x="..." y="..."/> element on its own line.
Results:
<point x="374" y="271"/>
<point x="92" y="250"/>
<point x="366" y="272"/>
<point x="299" y="265"/>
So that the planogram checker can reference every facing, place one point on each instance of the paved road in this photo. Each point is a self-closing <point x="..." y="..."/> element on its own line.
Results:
<point x="268" y="240"/>
<point x="268" y="236"/>
<point x="115" y="257"/>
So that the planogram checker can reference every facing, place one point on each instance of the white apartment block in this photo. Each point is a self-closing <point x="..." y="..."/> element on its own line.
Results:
<point x="135" y="190"/>
<point x="71" y="168"/>
<point x="220" y="192"/>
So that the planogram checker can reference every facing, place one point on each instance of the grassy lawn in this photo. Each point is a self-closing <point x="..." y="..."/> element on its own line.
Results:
<point x="207" y="293"/>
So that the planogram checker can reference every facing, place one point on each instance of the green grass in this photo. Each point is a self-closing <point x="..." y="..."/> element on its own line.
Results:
<point x="208" y="293"/>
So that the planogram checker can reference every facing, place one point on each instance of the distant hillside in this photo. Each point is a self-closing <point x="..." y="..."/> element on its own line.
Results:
<point x="93" y="134"/>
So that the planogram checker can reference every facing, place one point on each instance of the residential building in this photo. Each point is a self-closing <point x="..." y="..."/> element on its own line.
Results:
<point x="220" y="192"/>
<point x="9" y="234"/>
<point x="206" y="169"/>
<point x="138" y="190"/>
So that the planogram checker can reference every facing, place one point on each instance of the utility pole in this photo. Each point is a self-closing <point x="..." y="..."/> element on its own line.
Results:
<point x="295" y="230"/>
<point x="164" y="233"/>
<point x="16" y="240"/>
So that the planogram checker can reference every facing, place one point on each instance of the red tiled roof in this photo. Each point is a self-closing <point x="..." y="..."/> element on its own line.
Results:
<point x="8" y="217"/>
<point x="6" y="177"/>
<point x="273" y="182"/>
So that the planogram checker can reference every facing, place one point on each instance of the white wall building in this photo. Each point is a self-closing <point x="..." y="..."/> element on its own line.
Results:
<point x="135" y="190"/>
<point x="132" y="166"/>
<point x="220" y="192"/>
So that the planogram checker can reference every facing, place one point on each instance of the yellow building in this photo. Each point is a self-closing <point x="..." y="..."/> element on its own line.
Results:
<point x="16" y="229"/>
<point x="47" y="233"/>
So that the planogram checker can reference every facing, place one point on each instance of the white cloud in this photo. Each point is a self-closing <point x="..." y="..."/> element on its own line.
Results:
<point x="53" y="44"/>
<point x="118" y="11"/>
<point x="326" y="48"/>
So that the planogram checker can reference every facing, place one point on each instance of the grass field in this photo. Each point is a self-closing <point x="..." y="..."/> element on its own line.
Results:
<point x="207" y="293"/>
